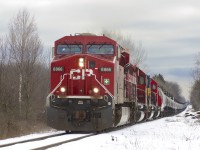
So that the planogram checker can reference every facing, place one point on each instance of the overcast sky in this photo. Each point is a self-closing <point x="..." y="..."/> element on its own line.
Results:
<point x="168" y="29"/>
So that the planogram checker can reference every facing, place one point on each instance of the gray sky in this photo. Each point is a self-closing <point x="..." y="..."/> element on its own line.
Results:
<point x="168" y="29"/>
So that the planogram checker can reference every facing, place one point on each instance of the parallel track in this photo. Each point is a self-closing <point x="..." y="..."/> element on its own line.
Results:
<point x="40" y="139"/>
<point x="63" y="142"/>
<point x="32" y="140"/>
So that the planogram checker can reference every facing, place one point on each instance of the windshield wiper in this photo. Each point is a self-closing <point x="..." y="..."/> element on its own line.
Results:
<point x="101" y="46"/>
<point x="90" y="45"/>
<point x="78" y="44"/>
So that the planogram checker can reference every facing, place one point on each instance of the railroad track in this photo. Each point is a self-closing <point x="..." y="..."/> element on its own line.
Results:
<point x="45" y="142"/>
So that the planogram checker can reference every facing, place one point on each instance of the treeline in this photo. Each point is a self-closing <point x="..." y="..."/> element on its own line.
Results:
<point x="24" y="78"/>
<point x="172" y="89"/>
<point x="195" y="91"/>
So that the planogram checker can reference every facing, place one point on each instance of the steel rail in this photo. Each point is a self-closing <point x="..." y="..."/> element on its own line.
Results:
<point x="31" y="140"/>
<point x="63" y="142"/>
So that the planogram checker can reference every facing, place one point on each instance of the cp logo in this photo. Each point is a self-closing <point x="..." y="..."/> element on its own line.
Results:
<point x="77" y="74"/>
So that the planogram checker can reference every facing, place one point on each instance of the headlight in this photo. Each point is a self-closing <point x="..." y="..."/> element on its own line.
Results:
<point x="95" y="90"/>
<point x="63" y="89"/>
<point x="81" y="62"/>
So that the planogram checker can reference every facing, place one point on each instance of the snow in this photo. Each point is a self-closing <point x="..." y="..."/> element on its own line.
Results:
<point x="171" y="133"/>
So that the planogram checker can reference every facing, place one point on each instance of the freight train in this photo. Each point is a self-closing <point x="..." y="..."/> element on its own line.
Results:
<point x="95" y="87"/>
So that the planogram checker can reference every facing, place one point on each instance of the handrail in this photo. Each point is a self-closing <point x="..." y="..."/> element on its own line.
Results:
<point x="62" y="78"/>
<point x="50" y="94"/>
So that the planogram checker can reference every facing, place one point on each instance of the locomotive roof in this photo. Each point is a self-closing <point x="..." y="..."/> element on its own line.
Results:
<point x="85" y="37"/>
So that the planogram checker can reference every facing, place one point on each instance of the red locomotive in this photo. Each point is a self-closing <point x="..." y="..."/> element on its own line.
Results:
<point x="95" y="87"/>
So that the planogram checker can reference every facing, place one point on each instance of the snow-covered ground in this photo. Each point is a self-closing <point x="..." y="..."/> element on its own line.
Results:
<point x="171" y="133"/>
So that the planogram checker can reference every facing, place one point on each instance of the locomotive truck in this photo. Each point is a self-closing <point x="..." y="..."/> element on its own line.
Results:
<point x="95" y="87"/>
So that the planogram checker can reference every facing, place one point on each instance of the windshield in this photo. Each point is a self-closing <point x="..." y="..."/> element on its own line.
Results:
<point x="69" y="49"/>
<point x="100" y="49"/>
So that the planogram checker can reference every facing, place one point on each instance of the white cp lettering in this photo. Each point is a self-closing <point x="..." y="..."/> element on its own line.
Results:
<point x="77" y="74"/>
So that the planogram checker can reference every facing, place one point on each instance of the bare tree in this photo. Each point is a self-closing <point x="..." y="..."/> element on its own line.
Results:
<point x="24" y="78"/>
<point x="160" y="80"/>
<point x="3" y="101"/>
<point x="195" y="91"/>
<point x="137" y="52"/>
<point x="195" y="95"/>
<point x="25" y="48"/>
<point x="196" y="72"/>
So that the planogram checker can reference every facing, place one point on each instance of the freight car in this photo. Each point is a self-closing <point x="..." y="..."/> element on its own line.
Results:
<point x="95" y="87"/>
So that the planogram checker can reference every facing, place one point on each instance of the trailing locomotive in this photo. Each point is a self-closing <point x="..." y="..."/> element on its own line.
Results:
<point x="95" y="87"/>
